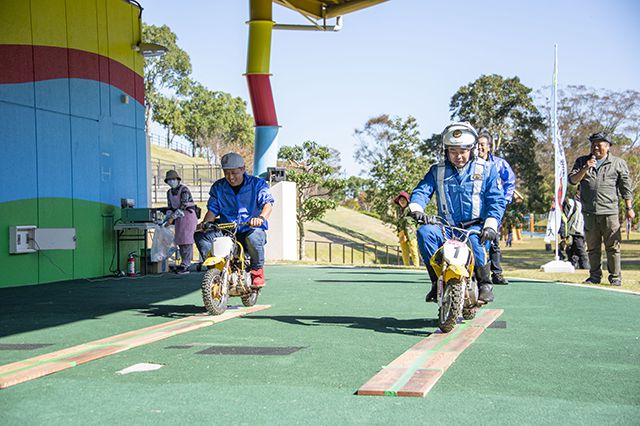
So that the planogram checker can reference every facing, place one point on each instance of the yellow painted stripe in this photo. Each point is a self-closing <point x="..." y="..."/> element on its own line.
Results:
<point x="109" y="28"/>
<point x="15" y="22"/>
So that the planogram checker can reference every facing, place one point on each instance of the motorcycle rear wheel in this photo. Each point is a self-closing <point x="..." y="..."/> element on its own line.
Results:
<point x="451" y="306"/>
<point x="213" y="295"/>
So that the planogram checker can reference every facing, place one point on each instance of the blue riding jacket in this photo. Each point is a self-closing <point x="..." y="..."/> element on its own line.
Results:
<point x="249" y="202"/>
<point x="476" y="192"/>
<point x="507" y="176"/>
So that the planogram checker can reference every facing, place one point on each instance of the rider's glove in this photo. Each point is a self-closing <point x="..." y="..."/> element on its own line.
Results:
<point x="422" y="217"/>
<point x="488" y="234"/>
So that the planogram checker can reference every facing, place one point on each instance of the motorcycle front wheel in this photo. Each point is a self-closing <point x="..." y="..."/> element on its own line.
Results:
<point x="214" y="292"/>
<point x="451" y="306"/>
<point x="469" y="313"/>
<point x="250" y="299"/>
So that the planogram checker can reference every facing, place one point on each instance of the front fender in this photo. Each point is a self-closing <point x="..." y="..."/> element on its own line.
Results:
<point x="455" y="272"/>
<point x="217" y="262"/>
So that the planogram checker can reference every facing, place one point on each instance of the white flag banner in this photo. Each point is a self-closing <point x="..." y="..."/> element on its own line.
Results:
<point x="560" y="159"/>
<point x="550" y="235"/>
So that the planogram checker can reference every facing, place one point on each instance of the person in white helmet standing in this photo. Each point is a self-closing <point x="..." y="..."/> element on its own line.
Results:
<point x="467" y="188"/>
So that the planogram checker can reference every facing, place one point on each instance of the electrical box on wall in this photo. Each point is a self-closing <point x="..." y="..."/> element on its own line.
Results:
<point x="21" y="239"/>
<point x="29" y="239"/>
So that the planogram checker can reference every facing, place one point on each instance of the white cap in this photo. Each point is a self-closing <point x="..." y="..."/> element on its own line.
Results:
<point x="459" y="135"/>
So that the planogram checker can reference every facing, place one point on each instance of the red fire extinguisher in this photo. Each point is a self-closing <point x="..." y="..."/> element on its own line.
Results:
<point x="131" y="265"/>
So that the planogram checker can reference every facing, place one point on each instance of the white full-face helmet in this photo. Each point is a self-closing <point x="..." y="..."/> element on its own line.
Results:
<point x="459" y="135"/>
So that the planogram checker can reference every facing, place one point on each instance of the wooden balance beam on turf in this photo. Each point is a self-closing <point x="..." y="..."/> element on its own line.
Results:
<point x="32" y="368"/>
<point x="417" y="370"/>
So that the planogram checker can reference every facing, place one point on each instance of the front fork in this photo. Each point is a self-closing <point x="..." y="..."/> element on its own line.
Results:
<point x="440" y="287"/>
<point x="224" y="277"/>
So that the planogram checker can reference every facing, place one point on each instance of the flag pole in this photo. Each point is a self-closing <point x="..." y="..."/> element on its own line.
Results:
<point x="554" y="136"/>
<point x="560" y="178"/>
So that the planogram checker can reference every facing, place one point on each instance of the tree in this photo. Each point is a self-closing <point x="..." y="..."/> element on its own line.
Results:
<point x="390" y="148"/>
<point x="633" y="161"/>
<point x="355" y="193"/>
<point x="216" y="121"/>
<point x="166" y="73"/>
<point x="168" y="112"/>
<point x="315" y="170"/>
<point x="374" y="140"/>
<point x="582" y="111"/>
<point x="506" y="108"/>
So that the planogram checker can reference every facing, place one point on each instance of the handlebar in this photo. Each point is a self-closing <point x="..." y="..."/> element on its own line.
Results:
<point x="208" y="226"/>
<point x="463" y="228"/>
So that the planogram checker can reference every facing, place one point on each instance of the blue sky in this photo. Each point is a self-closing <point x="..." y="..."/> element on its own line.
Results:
<point x="405" y="57"/>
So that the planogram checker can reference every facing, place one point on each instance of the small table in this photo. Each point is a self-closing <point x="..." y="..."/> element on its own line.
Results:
<point x="145" y="227"/>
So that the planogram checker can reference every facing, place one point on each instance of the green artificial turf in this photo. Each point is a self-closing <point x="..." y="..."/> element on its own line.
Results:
<point x="568" y="355"/>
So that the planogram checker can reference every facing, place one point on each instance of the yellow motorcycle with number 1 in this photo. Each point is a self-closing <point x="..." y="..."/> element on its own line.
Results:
<point x="227" y="272"/>
<point x="457" y="289"/>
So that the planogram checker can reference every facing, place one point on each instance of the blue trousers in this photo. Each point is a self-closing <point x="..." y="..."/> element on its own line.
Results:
<point x="253" y="242"/>
<point x="430" y="239"/>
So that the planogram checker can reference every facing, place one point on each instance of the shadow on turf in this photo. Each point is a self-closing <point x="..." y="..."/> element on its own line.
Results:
<point x="400" y="272"/>
<point x="411" y="327"/>
<point x="37" y="307"/>
<point x="172" y="311"/>
<point x="387" y="281"/>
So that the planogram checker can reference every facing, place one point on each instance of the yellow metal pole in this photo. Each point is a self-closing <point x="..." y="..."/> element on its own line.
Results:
<point x="258" y="60"/>
<point x="260" y="28"/>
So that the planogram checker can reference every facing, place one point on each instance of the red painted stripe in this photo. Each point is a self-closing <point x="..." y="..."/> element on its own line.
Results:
<point x="16" y="65"/>
<point x="264" y="110"/>
<point x="25" y="63"/>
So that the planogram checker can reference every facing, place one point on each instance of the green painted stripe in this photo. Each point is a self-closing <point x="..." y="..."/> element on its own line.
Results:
<point x="37" y="364"/>
<point x="410" y="371"/>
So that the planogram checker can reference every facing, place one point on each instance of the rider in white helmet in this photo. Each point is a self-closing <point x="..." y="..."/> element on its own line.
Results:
<point x="467" y="188"/>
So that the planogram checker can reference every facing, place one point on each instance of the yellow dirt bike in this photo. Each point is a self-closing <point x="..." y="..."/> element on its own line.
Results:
<point x="227" y="272"/>
<point x="457" y="288"/>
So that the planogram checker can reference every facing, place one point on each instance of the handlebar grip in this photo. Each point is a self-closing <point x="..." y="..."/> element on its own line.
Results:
<point x="229" y="225"/>
<point x="470" y="223"/>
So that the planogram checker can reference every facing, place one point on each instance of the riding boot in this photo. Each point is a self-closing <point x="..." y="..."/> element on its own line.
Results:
<point x="433" y="293"/>
<point x="483" y="277"/>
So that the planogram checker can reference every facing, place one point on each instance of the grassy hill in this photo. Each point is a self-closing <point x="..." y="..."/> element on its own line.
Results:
<point x="355" y="236"/>
<point x="344" y="225"/>
<point x="168" y="156"/>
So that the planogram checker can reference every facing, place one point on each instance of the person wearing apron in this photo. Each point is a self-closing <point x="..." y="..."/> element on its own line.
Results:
<point x="182" y="209"/>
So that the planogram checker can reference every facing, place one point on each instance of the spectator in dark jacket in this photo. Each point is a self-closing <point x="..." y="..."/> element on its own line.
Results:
<point x="601" y="176"/>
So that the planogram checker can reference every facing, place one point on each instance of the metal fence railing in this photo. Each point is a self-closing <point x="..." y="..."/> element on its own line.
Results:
<point x="176" y="144"/>
<point x="352" y="253"/>
<point x="197" y="177"/>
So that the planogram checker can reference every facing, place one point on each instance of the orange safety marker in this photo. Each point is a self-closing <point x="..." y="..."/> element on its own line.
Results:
<point x="32" y="368"/>
<point x="417" y="370"/>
